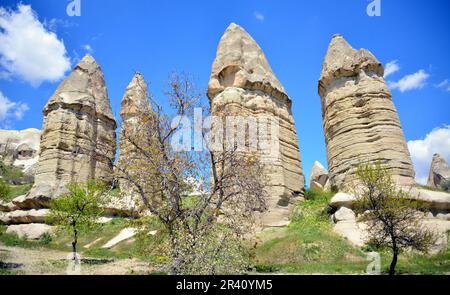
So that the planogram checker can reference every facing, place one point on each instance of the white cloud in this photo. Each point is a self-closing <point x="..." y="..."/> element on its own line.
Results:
<point x="410" y="82"/>
<point x="391" y="67"/>
<point x="444" y="85"/>
<point x="422" y="150"/>
<point x="88" y="48"/>
<point x="11" y="110"/>
<point x="259" y="16"/>
<point x="28" y="50"/>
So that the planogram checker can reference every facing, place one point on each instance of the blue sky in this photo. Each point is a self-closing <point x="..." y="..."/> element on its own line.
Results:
<point x="157" y="37"/>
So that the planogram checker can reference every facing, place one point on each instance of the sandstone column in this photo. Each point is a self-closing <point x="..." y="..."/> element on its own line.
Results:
<point x="78" y="140"/>
<point x="242" y="83"/>
<point x="360" y="120"/>
<point x="136" y="128"/>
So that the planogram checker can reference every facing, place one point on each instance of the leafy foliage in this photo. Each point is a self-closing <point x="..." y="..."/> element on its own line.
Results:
<point x="78" y="210"/>
<point x="393" y="216"/>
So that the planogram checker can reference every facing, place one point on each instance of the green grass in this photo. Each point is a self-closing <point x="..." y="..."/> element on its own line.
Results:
<point x="429" y="188"/>
<point x="61" y="241"/>
<point x="309" y="245"/>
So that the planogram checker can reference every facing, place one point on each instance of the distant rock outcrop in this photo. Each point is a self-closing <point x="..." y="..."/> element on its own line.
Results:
<point x="319" y="177"/>
<point x="439" y="171"/>
<point x="243" y="84"/>
<point x="20" y="148"/>
<point x="78" y="140"/>
<point x="360" y="120"/>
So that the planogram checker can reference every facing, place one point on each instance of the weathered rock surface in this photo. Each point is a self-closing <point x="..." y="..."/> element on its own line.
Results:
<point x="344" y="214"/>
<point x="136" y="127"/>
<point x="4" y="207"/>
<point x="32" y="231"/>
<point x="435" y="200"/>
<point x="360" y="120"/>
<point x="353" y="231"/>
<point x="78" y="140"/>
<point x="439" y="171"/>
<point x="242" y="83"/>
<point x="342" y="199"/>
<point x="25" y="216"/>
<point x="20" y="148"/>
<point x="319" y="176"/>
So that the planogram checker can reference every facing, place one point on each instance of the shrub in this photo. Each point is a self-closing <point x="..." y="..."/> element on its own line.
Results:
<point x="5" y="190"/>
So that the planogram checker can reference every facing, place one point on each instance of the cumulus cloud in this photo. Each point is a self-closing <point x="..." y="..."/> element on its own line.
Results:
<point x="422" y="150"/>
<point x="10" y="110"/>
<point x="391" y="67"/>
<point x="28" y="50"/>
<point x="444" y="85"/>
<point x="259" y="16"/>
<point x="411" y="82"/>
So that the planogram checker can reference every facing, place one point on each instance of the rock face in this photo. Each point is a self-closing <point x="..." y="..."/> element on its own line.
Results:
<point x="439" y="171"/>
<point x="20" y="148"/>
<point x="319" y="177"/>
<point x="78" y="140"/>
<point x="32" y="231"/>
<point x="360" y="120"/>
<point x="242" y="83"/>
<point x="136" y="125"/>
<point x="25" y="216"/>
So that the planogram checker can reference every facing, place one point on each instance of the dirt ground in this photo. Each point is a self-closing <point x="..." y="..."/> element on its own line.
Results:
<point x="15" y="260"/>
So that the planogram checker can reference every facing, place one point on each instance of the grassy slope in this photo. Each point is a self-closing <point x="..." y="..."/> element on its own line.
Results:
<point x="309" y="245"/>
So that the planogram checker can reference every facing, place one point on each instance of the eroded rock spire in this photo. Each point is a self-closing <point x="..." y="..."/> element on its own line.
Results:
<point x="360" y="120"/>
<point x="243" y="84"/>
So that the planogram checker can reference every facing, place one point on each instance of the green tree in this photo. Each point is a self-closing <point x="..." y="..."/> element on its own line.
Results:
<point x="393" y="216"/>
<point x="78" y="209"/>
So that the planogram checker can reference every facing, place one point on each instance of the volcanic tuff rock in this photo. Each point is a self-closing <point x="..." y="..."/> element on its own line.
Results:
<point x="360" y="120"/>
<point x="439" y="171"/>
<point x="78" y="140"/>
<point x="136" y="125"/>
<point x="20" y="148"/>
<point x="319" y="176"/>
<point x="32" y="231"/>
<point x="242" y="83"/>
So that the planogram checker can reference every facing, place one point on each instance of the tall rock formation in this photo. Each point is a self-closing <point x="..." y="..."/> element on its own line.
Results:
<point x="136" y="125"/>
<point x="242" y="83"/>
<point x="439" y="171"/>
<point x="360" y="120"/>
<point x="78" y="140"/>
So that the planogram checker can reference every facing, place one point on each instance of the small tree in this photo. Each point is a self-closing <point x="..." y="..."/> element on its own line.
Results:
<point x="393" y="217"/>
<point x="206" y="234"/>
<point x="77" y="210"/>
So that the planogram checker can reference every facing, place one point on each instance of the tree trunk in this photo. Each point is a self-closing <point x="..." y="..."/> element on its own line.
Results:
<point x="74" y="242"/>
<point x="394" y="262"/>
